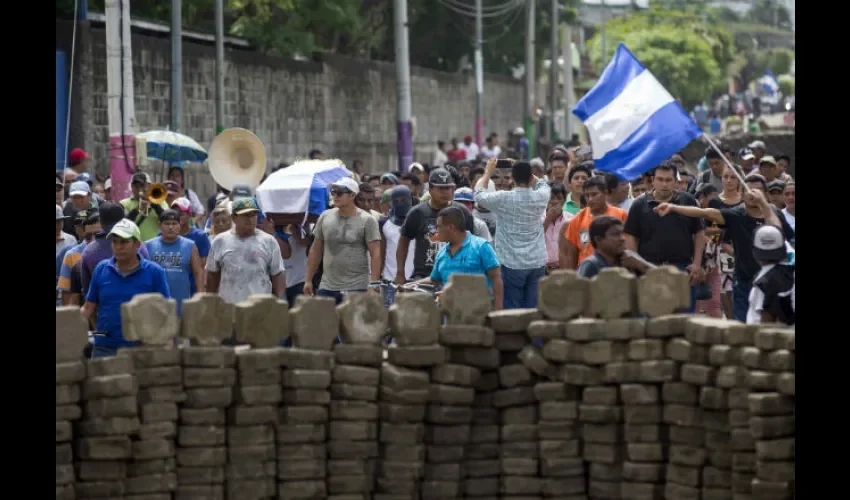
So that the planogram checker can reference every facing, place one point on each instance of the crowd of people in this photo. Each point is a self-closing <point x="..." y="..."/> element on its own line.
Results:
<point x="471" y="211"/>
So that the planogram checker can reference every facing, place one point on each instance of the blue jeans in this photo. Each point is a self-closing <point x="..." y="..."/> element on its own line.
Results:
<point x="103" y="351"/>
<point x="521" y="286"/>
<point x="294" y="291"/>
<point x="389" y="296"/>
<point x="740" y="299"/>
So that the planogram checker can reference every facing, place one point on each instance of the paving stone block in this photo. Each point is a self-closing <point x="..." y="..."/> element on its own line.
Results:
<point x="362" y="318"/>
<point x="70" y="372"/>
<point x="562" y="295"/>
<point x="306" y="359"/>
<point x="562" y="351"/>
<point x="208" y="356"/>
<point x="663" y="290"/>
<point x="417" y="356"/>
<point x="671" y="325"/>
<point x="546" y="329"/>
<point x="645" y="349"/>
<point x="159" y="376"/>
<point x="612" y="294"/>
<point x="515" y="375"/>
<point x="202" y="416"/>
<point x="485" y="358"/>
<point x="359" y="354"/>
<point x="639" y="394"/>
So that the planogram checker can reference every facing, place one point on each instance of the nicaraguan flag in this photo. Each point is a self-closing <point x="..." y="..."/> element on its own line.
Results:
<point x="769" y="83"/>
<point x="633" y="122"/>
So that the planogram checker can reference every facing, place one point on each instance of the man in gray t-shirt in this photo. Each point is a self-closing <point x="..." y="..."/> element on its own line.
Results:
<point x="348" y="242"/>
<point x="244" y="261"/>
<point x="346" y="249"/>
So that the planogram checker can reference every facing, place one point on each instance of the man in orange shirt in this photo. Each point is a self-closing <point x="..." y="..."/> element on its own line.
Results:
<point x="575" y="246"/>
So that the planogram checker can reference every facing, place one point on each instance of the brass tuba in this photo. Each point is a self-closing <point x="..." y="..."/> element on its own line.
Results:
<point x="237" y="156"/>
<point x="157" y="193"/>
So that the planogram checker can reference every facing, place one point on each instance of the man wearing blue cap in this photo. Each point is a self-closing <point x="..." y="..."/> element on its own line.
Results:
<point x="390" y="225"/>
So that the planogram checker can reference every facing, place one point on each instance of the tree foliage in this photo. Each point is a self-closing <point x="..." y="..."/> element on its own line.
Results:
<point x="770" y="13"/>
<point x="440" y="38"/>
<point x="687" y="55"/>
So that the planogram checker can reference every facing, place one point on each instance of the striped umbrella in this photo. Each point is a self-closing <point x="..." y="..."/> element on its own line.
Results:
<point x="173" y="148"/>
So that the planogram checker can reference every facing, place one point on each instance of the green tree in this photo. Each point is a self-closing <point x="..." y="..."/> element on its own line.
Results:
<point x="787" y="83"/>
<point x="770" y="13"/>
<point x="684" y="53"/>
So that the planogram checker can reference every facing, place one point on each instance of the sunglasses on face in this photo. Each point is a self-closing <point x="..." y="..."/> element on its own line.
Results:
<point x="339" y="192"/>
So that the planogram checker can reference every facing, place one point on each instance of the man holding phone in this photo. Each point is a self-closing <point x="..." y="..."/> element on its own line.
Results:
<point x="521" y="245"/>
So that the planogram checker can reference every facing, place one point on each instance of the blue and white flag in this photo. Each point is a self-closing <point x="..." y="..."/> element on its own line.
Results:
<point x="633" y="122"/>
<point x="769" y="83"/>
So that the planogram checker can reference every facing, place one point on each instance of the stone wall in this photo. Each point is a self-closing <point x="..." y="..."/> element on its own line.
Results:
<point x="522" y="404"/>
<point x="345" y="107"/>
<point x="776" y="143"/>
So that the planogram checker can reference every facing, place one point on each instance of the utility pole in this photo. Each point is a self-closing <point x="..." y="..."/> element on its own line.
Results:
<point x="568" y="81"/>
<point x="176" y="65"/>
<point x="219" y="66"/>
<point x="553" y="70"/>
<point x="403" y="105"/>
<point x="529" y="76"/>
<point x="479" y="73"/>
<point x="602" y="33"/>
<point x="119" y="90"/>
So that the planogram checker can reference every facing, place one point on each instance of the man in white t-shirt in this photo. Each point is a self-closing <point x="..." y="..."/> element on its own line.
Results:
<point x="400" y="202"/>
<point x="470" y="147"/>
<point x="491" y="149"/>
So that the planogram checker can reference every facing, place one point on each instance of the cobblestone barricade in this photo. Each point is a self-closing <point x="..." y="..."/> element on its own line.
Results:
<point x="603" y="392"/>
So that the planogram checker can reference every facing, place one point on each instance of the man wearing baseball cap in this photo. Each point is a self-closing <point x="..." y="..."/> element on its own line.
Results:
<point x="100" y="248"/>
<point x="68" y="268"/>
<point x="63" y="239"/>
<point x="245" y="261"/>
<point x="421" y="226"/>
<point x="746" y="159"/>
<point x="772" y="295"/>
<point x="348" y="243"/>
<point x="116" y="281"/>
<point x="178" y="256"/>
<point x="79" y="198"/>
<point x="140" y="210"/>
<point x="78" y="162"/>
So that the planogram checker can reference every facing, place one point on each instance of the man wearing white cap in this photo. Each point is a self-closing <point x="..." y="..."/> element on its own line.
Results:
<point x="348" y="243"/>
<point x="772" y="295"/>
<point x="116" y="281"/>
<point x="79" y="198"/>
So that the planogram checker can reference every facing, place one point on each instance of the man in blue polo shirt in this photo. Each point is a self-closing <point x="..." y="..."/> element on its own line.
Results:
<point x="115" y="281"/>
<point x="464" y="253"/>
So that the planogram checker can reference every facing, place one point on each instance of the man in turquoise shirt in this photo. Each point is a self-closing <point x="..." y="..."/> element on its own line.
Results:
<point x="464" y="253"/>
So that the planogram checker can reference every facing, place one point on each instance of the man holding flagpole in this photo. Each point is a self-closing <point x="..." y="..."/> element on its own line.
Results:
<point x="635" y="125"/>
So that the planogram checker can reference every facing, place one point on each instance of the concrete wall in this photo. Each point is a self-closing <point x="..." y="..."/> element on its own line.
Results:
<point x="345" y="107"/>
<point x="672" y="406"/>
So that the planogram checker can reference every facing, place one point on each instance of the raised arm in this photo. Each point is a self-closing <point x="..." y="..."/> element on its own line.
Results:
<point x="711" y="214"/>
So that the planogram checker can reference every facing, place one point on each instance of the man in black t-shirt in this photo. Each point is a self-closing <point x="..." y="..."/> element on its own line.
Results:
<point x="421" y="226"/>
<point x="740" y="223"/>
<point x="677" y="240"/>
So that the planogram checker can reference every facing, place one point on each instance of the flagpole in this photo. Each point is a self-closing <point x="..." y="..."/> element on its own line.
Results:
<point x="728" y="163"/>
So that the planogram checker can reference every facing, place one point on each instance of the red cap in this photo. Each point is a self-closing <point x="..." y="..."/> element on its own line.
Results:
<point x="467" y="138"/>
<point x="77" y="155"/>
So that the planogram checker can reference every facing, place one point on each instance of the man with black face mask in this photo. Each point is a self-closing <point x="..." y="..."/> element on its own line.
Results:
<point x="400" y="202"/>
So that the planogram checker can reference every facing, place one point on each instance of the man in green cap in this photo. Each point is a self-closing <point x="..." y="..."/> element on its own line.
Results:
<point x="116" y="281"/>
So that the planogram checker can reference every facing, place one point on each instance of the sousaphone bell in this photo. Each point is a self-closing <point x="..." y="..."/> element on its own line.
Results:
<point x="237" y="156"/>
